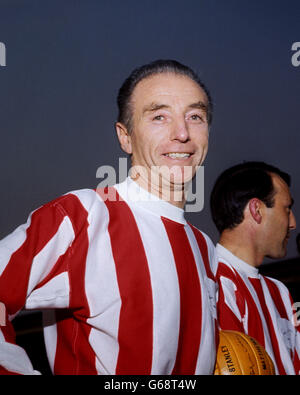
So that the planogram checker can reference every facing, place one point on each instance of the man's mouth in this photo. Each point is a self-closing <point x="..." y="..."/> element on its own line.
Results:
<point x="178" y="155"/>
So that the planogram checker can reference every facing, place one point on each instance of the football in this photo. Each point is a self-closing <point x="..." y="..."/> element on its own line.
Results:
<point x="240" y="354"/>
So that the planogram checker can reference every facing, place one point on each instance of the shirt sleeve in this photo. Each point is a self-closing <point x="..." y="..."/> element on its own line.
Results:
<point x="31" y="257"/>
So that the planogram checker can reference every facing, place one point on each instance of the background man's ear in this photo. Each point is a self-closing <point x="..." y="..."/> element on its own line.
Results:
<point x="255" y="209"/>
<point x="124" y="137"/>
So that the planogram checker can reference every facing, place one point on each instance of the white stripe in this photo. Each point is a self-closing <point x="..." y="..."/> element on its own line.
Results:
<point x="165" y="290"/>
<point x="253" y="293"/>
<point x="284" y="330"/>
<point x="14" y="359"/>
<point x="267" y="339"/>
<point x="101" y="279"/>
<point x="212" y="254"/>
<point x="229" y="296"/>
<point x="207" y="350"/>
<point x="54" y="294"/>
<point x="245" y="319"/>
<point x="45" y="260"/>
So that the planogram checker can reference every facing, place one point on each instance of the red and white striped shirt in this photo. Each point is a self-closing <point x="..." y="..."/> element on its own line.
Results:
<point x="127" y="285"/>
<point x="260" y="307"/>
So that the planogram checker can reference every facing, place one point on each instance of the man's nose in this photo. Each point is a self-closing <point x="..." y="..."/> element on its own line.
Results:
<point x="180" y="131"/>
<point x="292" y="224"/>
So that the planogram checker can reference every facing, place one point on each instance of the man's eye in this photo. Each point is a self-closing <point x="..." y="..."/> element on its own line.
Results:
<point x="196" y="117"/>
<point x="158" y="118"/>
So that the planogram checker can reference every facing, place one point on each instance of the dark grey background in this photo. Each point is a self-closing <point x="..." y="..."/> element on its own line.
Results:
<point x="66" y="60"/>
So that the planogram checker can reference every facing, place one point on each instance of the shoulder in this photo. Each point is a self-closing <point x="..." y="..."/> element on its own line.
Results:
<point x="77" y="204"/>
<point x="79" y="209"/>
<point x="224" y="267"/>
<point x="276" y="285"/>
<point x="207" y="248"/>
<point x="199" y="234"/>
<point x="205" y="243"/>
<point x="81" y="199"/>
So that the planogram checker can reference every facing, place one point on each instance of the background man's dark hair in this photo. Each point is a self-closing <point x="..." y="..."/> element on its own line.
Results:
<point x="140" y="73"/>
<point x="236" y="186"/>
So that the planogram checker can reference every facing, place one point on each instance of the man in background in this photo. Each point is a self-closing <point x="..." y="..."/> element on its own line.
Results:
<point x="251" y="206"/>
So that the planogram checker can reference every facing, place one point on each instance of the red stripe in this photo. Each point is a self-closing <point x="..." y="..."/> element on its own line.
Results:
<point x="4" y="372"/>
<point x="14" y="279"/>
<point x="276" y="297"/>
<point x="226" y="318"/>
<point x="296" y="361"/>
<point x="243" y="296"/>
<point x="258" y="288"/>
<point x="136" y="315"/>
<point x="255" y="325"/>
<point x="74" y="354"/>
<point x="190" y="299"/>
<point x="203" y="250"/>
<point x="8" y="332"/>
<point x="225" y="271"/>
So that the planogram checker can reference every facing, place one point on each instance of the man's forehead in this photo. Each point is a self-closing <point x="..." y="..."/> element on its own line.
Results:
<point x="281" y="186"/>
<point x="164" y="86"/>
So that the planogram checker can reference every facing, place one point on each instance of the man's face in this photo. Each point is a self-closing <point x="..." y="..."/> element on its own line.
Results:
<point x="170" y="128"/>
<point x="279" y="220"/>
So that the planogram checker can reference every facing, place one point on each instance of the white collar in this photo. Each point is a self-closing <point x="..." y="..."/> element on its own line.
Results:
<point x="237" y="263"/>
<point x="137" y="196"/>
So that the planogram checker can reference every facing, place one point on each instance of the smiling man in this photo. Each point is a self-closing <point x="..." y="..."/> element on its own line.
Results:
<point x="170" y="133"/>
<point x="127" y="283"/>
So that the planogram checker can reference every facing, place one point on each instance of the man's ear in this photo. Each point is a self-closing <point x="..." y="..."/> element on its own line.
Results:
<point x="124" y="137"/>
<point x="255" y="210"/>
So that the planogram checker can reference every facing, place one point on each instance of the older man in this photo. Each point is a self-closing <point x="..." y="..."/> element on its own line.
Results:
<point x="128" y="283"/>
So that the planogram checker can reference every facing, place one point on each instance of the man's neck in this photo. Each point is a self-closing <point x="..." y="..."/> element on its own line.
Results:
<point x="173" y="194"/>
<point x="241" y="245"/>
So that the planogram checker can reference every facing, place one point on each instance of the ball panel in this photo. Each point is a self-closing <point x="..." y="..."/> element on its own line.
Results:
<point x="264" y="362"/>
<point x="245" y="354"/>
<point x="239" y="354"/>
<point x="228" y="362"/>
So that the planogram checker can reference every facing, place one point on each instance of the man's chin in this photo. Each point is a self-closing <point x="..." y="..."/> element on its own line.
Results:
<point x="177" y="175"/>
<point x="173" y="178"/>
<point x="279" y="254"/>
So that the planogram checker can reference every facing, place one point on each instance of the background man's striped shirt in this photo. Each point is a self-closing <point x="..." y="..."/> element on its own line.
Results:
<point x="260" y="307"/>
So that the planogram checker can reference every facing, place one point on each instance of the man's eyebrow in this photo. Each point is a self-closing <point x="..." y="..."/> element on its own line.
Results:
<point x="154" y="107"/>
<point x="200" y="105"/>
<point x="292" y="203"/>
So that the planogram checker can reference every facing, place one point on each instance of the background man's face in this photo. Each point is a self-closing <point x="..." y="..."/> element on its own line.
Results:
<point x="170" y="125"/>
<point x="279" y="220"/>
